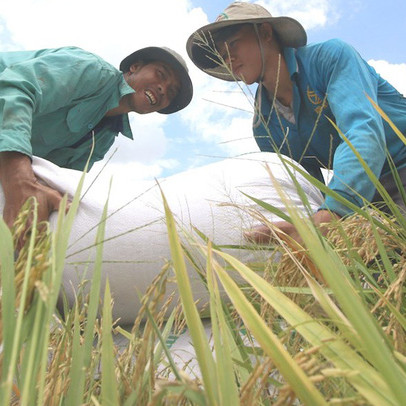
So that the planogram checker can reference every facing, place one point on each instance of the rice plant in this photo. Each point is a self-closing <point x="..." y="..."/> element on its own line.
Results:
<point x="323" y="325"/>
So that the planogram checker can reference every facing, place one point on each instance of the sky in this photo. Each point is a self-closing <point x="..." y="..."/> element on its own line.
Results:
<point x="217" y="123"/>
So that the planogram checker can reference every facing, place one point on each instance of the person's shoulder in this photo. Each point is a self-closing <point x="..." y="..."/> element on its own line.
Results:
<point x="85" y="56"/>
<point x="330" y="51"/>
<point x="331" y="46"/>
<point x="69" y="49"/>
<point x="76" y="52"/>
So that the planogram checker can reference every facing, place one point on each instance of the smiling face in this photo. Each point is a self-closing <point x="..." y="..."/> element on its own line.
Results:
<point x="156" y="85"/>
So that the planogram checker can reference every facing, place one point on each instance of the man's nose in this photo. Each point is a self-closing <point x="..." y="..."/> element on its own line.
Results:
<point x="163" y="87"/>
<point x="229" y="58"/>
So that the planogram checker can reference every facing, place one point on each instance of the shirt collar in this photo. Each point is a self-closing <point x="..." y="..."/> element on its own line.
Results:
<point x="124" y="89"/>
<point x="291" y="62"/>
<point x="126" y="128"/>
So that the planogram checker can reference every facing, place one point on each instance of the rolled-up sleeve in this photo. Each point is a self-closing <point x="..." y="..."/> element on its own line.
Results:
<point x="348" y="80"/>
<point x="43" y="84"/>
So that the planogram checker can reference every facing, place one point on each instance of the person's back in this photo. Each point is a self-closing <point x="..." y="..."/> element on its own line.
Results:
<point x="10" y="58"/>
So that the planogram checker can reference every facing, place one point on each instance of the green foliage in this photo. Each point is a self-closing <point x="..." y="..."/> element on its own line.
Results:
<point x="340" y="338"/>
<point x="324" y="325"/>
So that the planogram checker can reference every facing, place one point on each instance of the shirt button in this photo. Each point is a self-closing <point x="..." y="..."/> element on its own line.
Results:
<point x="90" y="126"/>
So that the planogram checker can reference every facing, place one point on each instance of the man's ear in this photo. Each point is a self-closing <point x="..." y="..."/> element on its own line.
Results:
<point x="266" y="31"/>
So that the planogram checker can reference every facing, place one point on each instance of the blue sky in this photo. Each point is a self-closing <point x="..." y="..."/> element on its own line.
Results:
<point x="206" y="130"/>
<point x="377" y="32"/>
<point x="376" y="28"/>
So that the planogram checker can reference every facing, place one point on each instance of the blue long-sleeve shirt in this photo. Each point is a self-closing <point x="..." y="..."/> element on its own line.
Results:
<point x="51" y="100"/>
<point x="331" y="80"/>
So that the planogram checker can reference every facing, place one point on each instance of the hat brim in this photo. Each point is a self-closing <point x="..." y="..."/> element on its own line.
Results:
<point x="201" y="49"/>
<point x="185" y="94"/>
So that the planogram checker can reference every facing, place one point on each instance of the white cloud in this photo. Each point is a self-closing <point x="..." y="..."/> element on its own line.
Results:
<point x="149" y="143"/>
<point x="217" y="122"/>
<point x="310" y="13"/>
<point x="96" y="24"/>
<point x="395" y="74"/>
<point x="123" y="173"/>
<point x="214" y="116"/>
<point x="114" y="31"/>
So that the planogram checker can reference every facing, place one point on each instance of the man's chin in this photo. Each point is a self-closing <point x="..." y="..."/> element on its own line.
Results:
<point x="147" y="110"/>
<point x="247" y="81"/>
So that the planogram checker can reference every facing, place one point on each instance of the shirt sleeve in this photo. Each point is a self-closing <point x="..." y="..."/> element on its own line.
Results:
<point x="347" y="80"/>
<point x="44" y="84"/>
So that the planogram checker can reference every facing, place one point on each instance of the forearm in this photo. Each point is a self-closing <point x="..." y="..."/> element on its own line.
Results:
<point x="19" y="184"/>
<point x="263" y="235"/>
<point x="348" y="80"/>
<point x="18" y="181"/>
<point x="15" y="171"/>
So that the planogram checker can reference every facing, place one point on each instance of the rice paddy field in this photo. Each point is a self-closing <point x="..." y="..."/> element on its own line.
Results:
<point x="323" y="325"/>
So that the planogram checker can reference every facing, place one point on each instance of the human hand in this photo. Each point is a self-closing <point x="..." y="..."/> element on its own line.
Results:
<point x="263" y="235"/>
<point x="20" y="183"/>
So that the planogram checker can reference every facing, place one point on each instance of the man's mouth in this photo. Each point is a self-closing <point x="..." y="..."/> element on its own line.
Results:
<point x="151" y="97"/>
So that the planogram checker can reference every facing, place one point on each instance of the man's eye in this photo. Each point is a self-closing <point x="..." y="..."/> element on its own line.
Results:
<point x="232" y="43"/>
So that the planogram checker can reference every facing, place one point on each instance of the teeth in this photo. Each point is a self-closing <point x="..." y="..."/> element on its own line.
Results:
<point x="151" y="97"/>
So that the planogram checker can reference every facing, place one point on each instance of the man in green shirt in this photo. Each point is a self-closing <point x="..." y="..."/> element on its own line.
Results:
<point x="57" y="103"/>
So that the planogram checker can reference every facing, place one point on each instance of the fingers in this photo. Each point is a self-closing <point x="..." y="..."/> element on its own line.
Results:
<point x="264" y="235"/>
<point x="22" y="225"/>
<point x="54" y="202"/>
<point x="25" y="222"/>
<point x="19" y="183"/>
<point x="259" y="235"/>
<point x="53" y="199"/>
<point x="19" y="217"/>
<point x="68" y="206"/>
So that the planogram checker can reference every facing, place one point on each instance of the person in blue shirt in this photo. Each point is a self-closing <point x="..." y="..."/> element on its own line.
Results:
<point x="60" y="103"/>
<point x="302" y="90"/>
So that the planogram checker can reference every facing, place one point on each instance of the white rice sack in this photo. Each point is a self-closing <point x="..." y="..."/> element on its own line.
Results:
<point x="136" y="242"/>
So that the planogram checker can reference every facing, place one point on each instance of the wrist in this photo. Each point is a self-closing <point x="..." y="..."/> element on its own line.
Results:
<point x="15" y="168"/>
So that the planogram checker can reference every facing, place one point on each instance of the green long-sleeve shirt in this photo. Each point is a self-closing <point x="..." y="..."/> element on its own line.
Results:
<point x="52" y="99"/>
